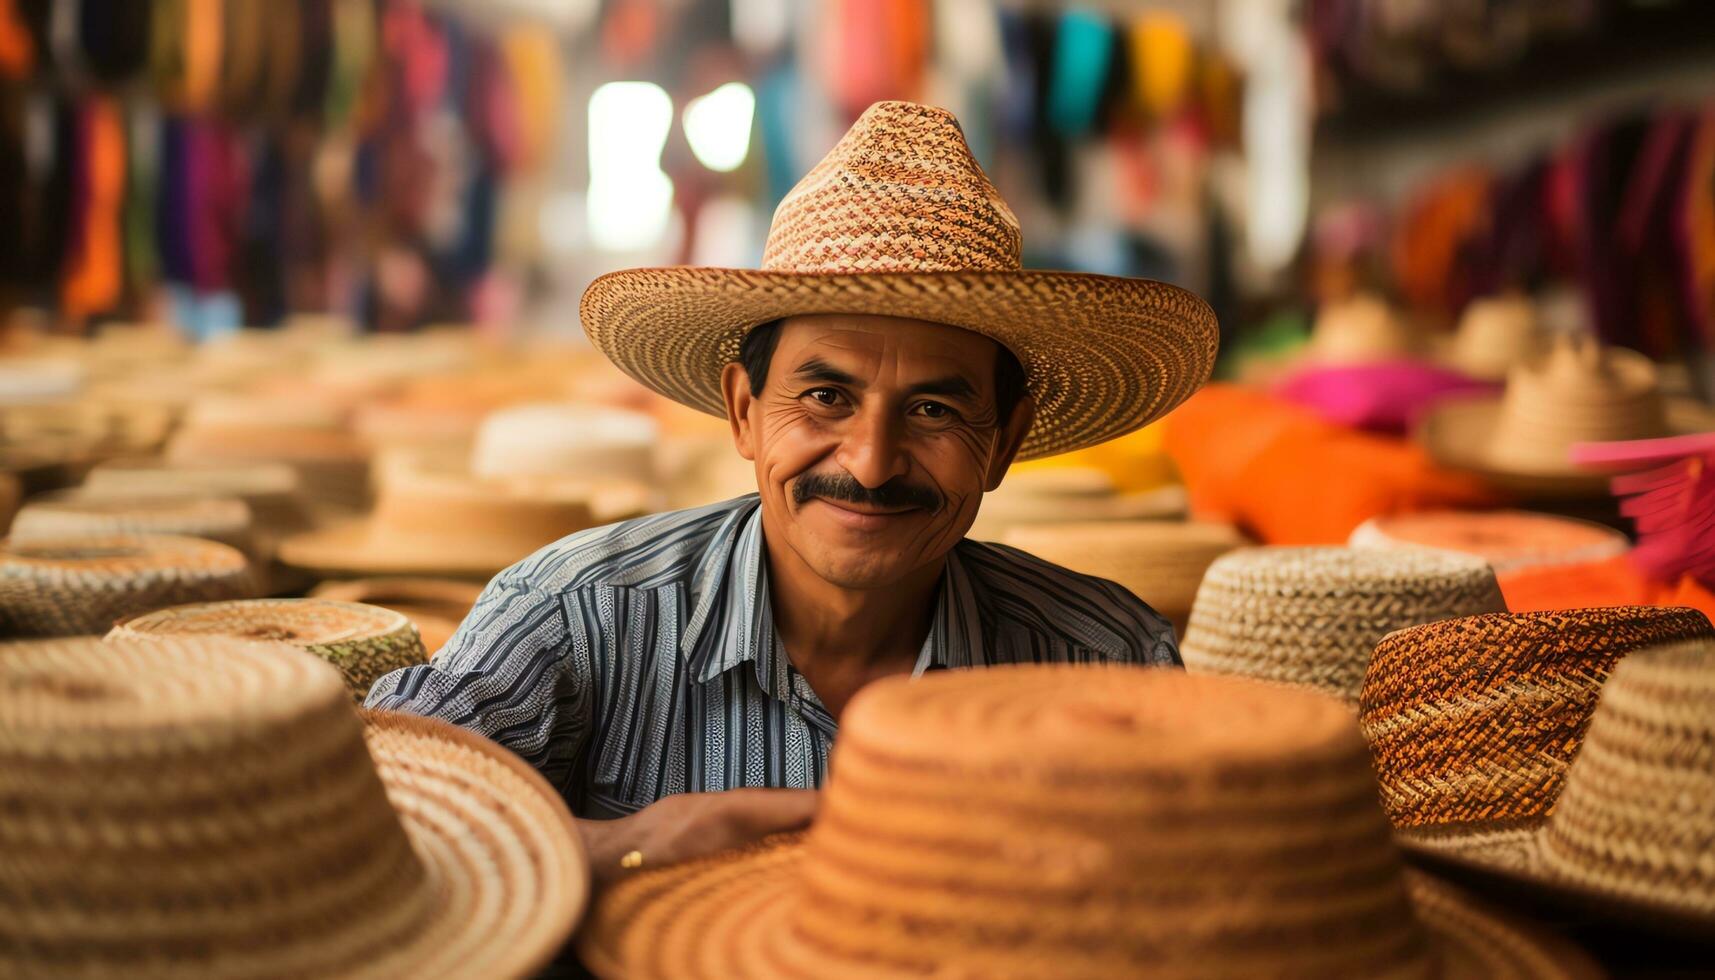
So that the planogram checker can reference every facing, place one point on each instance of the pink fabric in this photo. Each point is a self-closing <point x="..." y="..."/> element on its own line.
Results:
<point x="1383" y="397"/>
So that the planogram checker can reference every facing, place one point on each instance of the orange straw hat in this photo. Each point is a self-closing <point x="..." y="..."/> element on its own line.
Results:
<point x="1613" y="809"/>
<point x="899" y="219"/>
<point x="82" y="585"/>
<point x="1509" y="540"/>
<point x="201" y="806"/>
<point x="1073" y="821"/>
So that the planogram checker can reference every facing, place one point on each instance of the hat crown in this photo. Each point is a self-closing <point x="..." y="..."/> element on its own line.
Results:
<point x="1577" y="391"/>
<point x="900" y="192"/>
<point x="1070" y="821"/>
<point x="192" y="801"/>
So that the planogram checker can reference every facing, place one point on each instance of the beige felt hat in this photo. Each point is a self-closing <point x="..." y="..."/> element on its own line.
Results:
<point x="1161" y="562"/>
<point x="1577" y="391"/>
<point x="1067" y="821"/>
<point x="1313" y="615"/>
<point x="437" y="606"/>
<point x="1509" y="540"/>
<point x="201" y="806"/>
<point x="1594" y="794"/>
<point x="363" y="641"/>
<point x="70" y="514"/>
<point x="899" y="219"/>
<point x="78" y="586"/>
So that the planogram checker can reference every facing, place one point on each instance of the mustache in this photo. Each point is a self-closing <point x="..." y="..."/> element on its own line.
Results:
<point x="893" y="494"/>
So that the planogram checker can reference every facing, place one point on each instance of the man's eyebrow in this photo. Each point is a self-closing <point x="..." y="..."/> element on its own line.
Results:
<point x="816" y="369"/>
<point x="952" y="386"/>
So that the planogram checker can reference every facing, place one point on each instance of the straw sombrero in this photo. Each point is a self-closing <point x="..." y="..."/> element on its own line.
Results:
<point x="1509" y="540"/>
<point x="1312" y="615"/>
<point x="363" y="641"/>
<point x="1054" y="494"/>
<point x="1494" y="335"/>
<point x="1576" y="392"/>
<point x="899" y="219"/>
<point x="1361" y="330"/>
<point x="78" y="586"/>
<point x="436" y="606"/>
<point x="70" y="514"/>
<point x="1631" y="830"/>
<point x="207" y="807"/>
<point x="1161" y="562"/>
<point x="1051" y="820"/>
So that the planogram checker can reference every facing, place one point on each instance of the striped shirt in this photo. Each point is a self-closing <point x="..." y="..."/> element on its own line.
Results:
<point x="636" y="661"/>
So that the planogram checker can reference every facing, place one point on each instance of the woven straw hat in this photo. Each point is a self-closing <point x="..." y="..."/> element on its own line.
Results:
<point x="272" y="491"/>
<point x="1576" y="392"/>
<point x="64" y="515"/>
<point x="363" y="641"/>
<point x="1312" y="615"/>
<point x="1050" y="820"/>
<point x="1161" y="562"/>
<point x="549" y="438"/>
<point x="332" y="464"/>
<point x="211" y="807"/>
<point x="79" y="586"/>
<point x="1632" y="829"/>
<point x="898" y="219"/>
<point x="1360" y="330"/>
<point x="1509" y="540"/>
<point x="1494" y="335"/>
<point x="437" y="606"/>
<point x="1056" y="494"/>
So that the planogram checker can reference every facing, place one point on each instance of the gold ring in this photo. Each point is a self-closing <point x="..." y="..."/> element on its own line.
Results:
<point x="632" y="860"/>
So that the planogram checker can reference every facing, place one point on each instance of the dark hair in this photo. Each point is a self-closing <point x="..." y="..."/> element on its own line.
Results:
<point x="757" y="351"/>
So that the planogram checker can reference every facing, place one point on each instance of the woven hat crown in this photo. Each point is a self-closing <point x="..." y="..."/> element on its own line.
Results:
<point x="900" y="192"/>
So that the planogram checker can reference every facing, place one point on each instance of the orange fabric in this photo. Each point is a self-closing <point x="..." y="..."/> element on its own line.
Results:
<point x="94" y="275"/>
<point x="17" y="51"/>
<point x="1613" y="582"/>
<point x="203" y="38"/>
<point x="1288" y="477"/>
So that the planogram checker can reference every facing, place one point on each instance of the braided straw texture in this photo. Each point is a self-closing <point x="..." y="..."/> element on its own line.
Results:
<point x="363" y="641"/>
<point x="900" y="220"/>
<point x="209" y="807"/>
<point x="1161" y="562"/>
<point x="1508" y="540"/>
<point x="1472" y="723"/>
<point x="220" y="519"/>
<point x="1312" y="615"/>
<point x="1060" y="821"/>
<point x="81" y="586"/>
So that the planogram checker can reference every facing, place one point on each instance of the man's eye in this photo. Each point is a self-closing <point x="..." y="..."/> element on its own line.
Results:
<point x="933" y="410"/>
<point x="824" y="396"/>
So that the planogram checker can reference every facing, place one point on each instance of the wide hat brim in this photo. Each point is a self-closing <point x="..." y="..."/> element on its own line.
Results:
<point x="1456" y="434"/>
<point x="729" y="916"/>
<point x="1102" y="355"/>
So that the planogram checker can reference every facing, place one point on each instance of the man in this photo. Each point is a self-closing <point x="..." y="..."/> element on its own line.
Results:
<point x="882" y="371"/>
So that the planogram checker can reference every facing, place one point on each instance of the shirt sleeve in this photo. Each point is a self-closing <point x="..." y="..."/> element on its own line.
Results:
<point x="517" y="670"/>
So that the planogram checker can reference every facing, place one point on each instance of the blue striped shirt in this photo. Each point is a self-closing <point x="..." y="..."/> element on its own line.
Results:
<point x="636" y="661"/>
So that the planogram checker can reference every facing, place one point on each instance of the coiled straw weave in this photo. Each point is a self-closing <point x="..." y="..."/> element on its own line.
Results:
<point x="80" y="586"/>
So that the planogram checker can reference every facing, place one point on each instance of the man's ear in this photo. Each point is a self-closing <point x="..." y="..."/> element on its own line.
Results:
<point x="735" y="391"/>
<point x="1011" y="440"/>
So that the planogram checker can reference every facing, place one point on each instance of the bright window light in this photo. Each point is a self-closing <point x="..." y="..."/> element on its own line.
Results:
<point x="717" y="125"/>
<point x="630" y="198"/>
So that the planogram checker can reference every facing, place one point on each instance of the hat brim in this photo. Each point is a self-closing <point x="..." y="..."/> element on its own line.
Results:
<point x="1456" y="431"/>
<point x="1102" y="355"/>
<point x="729" y="916"/>
<point x="348" y="548"/>
<point x="502" y="852"/>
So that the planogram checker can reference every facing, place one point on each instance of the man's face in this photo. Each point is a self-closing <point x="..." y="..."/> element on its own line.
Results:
<point x="874" y="439"/>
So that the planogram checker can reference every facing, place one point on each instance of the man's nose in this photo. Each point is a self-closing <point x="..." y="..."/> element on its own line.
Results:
<point x="873" y="450"/>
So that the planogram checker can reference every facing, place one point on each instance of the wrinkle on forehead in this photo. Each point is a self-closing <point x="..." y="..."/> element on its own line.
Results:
<point x="879" y="348"/>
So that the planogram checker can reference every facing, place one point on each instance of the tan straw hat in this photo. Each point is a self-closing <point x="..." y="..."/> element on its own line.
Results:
<point x="437" y="606"/>
<point x="79" y="586"/>
<point x="1509" y="540"/>
<point x="272" y="491"/>
<point x="1360" y="330"/>
<point x="898" y="219"/>
<point x="69" y="514"/>
<point x="1312" y="615"/>
<point x="547" y="438"/>
<point x="210" y="807"/>
<point x="1053" y="820"/>
<point x="1161" y="562"/>
<point x="1494" y="335"/>
<point x="1575" y="392"/>
<point x="1054" y="494"/>
<point x="363" y="641"/>
<point x="1632" y="828"/>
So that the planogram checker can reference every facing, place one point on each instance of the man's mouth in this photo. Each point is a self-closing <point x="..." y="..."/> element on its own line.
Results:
<point x="864" y="516"/>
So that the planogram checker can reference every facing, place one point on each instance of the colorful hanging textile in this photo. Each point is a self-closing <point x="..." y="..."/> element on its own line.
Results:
<point x="17" y="46"/>
<point x="1162" y="57"/>
<point x="1083" y="53"/>
<point x="532" y="57"/>
<point x="94" y="272"/>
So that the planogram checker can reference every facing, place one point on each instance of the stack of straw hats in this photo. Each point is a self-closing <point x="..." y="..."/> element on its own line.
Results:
<point x="1577" y="391"/>
<point x="1069" y="493"/>
<point x="201" y="806"/>
<point x="1161" y="562"/>
<point x="1043" y="820"/>
<point x="272" y="491"/>
<point x="1509" y="540"/>
<point x="363" y="641"/>
<point x="82" y="585"/>
<point x="331" y="461"/>
<point x="436" y="606"/>
<point x="1632" y="821"/>
<point x="64" y="515"/>
<point x="1313" y="615"/>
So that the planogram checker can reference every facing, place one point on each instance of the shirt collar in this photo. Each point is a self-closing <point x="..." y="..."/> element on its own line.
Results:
<point x="732" y="620"/>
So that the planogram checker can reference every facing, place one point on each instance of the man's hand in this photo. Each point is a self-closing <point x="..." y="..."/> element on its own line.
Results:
<point x="691" y="825"/>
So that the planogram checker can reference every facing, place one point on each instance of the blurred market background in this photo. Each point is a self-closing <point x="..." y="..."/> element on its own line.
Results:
<point x="302" y="275"/>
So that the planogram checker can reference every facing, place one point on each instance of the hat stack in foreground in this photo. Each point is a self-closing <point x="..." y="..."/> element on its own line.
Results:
<point x="82" y="585"/>
<point x="1040" y="820"/>
<point x="1509" y="540"/>
<point x="213" y="807"/>
<point x="436" y="606"/>
<point x="364" y="642"/>
<point x="1312" y="615"/>
<point x="222" y="519"/>
<point x="1161" y="562"/>
<point x="1473" y="721"/>
<point x="1632" y="831"/>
